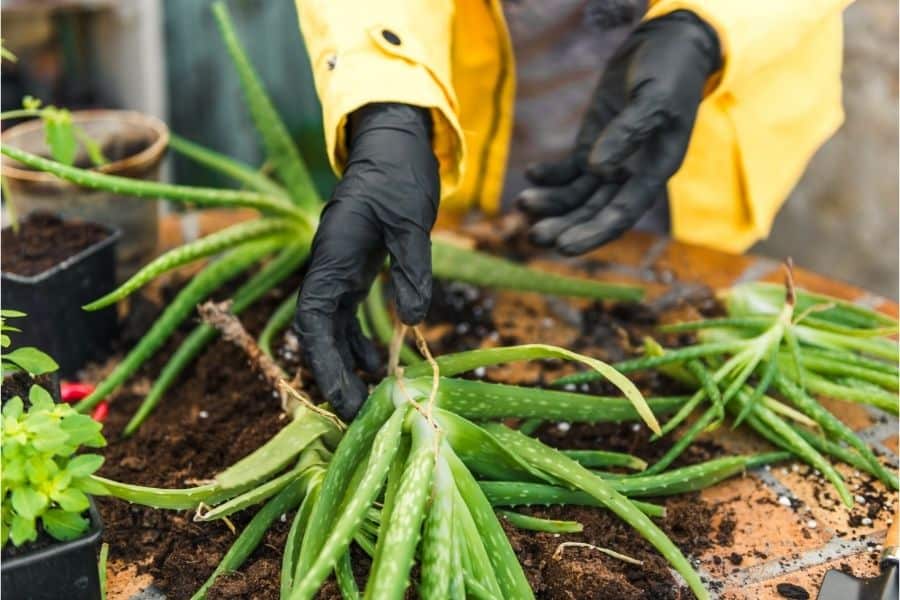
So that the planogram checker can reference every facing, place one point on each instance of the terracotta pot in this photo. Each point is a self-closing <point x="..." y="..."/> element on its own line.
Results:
<point x="136" y="218"/>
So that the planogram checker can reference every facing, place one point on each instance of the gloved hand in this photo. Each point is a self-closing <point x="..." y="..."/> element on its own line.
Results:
<point x="633" y="137"/>
<point x="386" y="203"/>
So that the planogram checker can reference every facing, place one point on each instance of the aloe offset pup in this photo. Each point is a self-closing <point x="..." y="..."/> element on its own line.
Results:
<point x="776" y="339"/>
<point x="289" y="207"/>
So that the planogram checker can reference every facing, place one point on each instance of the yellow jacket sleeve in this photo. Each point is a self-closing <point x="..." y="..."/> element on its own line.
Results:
<point x="399" y="52"/>
<point x="776" y="100"/>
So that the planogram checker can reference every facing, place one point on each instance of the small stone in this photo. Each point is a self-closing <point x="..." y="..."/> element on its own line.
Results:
<point x="784" y="501"/>
<point x="866" y="521"/>
<point x="792" y="591"/>
<point x="462" y="328"/>
<point x="564" y="426"/>
<point x="812" y="524"/>
<point x="860" y="499"/>
<point x="547" y="322"/>
<point x="584" y="387"/>
<point x="479" y="372"/>
<point x="283" y="518"/>
<point x="635" y="427"/>
<point x="570" y="387"/>
<point x="203" y="414"/>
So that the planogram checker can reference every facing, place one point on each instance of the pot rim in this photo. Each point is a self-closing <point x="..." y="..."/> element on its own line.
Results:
<point x="112" y="238"/>
<point x="144" y="159"/>
<point x="90" y="538"/>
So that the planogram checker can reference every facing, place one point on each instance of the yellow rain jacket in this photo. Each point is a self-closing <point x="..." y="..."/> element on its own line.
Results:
<point x="776" y="100"/>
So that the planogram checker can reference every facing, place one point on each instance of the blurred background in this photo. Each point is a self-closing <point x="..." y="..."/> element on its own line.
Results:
<point x="164" y="58"/>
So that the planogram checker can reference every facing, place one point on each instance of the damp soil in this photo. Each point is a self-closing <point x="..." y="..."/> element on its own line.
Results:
<point x="221" y="410"/>
<point x="43" y="241"/>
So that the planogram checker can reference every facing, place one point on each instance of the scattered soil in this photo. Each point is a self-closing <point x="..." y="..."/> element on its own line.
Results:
<point x="221" y="410"/>
<point x="18" y="384"/>
<point x="43" y="241"/>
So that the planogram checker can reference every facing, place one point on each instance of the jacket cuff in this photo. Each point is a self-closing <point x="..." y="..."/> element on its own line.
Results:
<point x="389" y="74"/>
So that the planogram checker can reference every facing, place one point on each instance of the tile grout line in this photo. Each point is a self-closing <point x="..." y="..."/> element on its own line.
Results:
<point x="835" y="549"/>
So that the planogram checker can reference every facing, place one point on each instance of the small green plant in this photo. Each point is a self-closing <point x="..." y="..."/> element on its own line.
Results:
<point x="45" y="484"/>
<point x="26" y="359"/>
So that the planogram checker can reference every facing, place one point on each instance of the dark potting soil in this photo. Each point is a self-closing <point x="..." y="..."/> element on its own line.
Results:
<point x="19" y="384"/>
<point x="220" y="411"/>
<point x="45" y="240"/>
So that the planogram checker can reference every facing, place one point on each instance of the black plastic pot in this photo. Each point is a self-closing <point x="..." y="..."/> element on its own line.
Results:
<point x="63" y="570"/>
<point x="53" y="299"/>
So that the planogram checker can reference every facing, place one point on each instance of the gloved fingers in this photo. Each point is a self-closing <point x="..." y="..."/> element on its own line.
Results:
<point x="626" y="132"/>
<point x="547" y="231"/>
<point x="553" y="201"/>
<point x="626" y="208"/>
<point x="410" y="252"/>
<point x="553" y="173"/>
<point x="367" y="356"/>
<point x="341" y="387"/>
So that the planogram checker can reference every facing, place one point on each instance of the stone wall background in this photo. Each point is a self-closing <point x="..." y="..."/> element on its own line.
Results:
<point x="842" y="219"/>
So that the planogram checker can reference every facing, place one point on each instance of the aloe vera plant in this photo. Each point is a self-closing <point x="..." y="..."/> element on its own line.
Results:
<point x="288" y="205"/>
<point x="777" y="340"/>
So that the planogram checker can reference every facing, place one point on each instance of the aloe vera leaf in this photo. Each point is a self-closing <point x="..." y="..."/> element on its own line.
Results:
<point x="252" y="535"/>
<point x="876" y="397"/>
<point x="245" y="474"/>
<point x="354" y="446"/>
<point x="799" y="446"/>
<point x="748" y="322"/>
<point x="769" y="370"/>
<point x="258" y="494"/>
<point x="474" y="559"/>
<point x="154" y="190"/>
<point x="482" y="453"/>
<point x="506" y="567"/>
<point x="380" y="320"/>
<point x="824" y="366"/>
<point x="457" y="590"/>
<point x="839" y="452"/>
<point x="392" y="485"/>
<point x="183" y="255"/>
<point x="538" y="524"/>
<point x="604" y="458"/>
<point x="343" y="574"/>
<point x="834" y="427"/>
<point x="449" y="261"/>
<point x="652" y="362"/>
<point x="566" y="469"/>
<point x="348" y="521"/>
<point x="437" y="541"/>
<point x="389" y="576"/>
<point x="277" y="323"/>
<point x="200" y="287"/>
<point x="519" y="493"/>
<point x="878" y="347"/>
<point x="280" y="149"/>
<point x="851" y="358"/>
<point x="760" y="297"/>
<point x="261" y="282"/>
<point x="452" y="364"/>
<point x="226" y="165"/>
<point x="480" y="400"/>
<point x="295" y="536"/>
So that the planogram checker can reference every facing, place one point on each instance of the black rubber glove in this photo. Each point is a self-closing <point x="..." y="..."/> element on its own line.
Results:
<point x="632" y="140"/>
<point x="386" y="203"/>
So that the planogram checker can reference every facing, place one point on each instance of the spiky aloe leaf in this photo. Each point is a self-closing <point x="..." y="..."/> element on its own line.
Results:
<point x="348" y="521"/>
<point x="183" y="255"/>
<point x="452" y="262"/>
<point x="437" y="542"/>
<point x="510" y="576"/>
<point x="226" y="165"/>
<point x="280" y="149"/>
<point x="265" y="279"/>
<point x="150" y="189"/>
<point x="399" y="537"/>
<point x="557" y="464"/>
<point x="460" y="362"/>
<point x="201" y="286"/>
